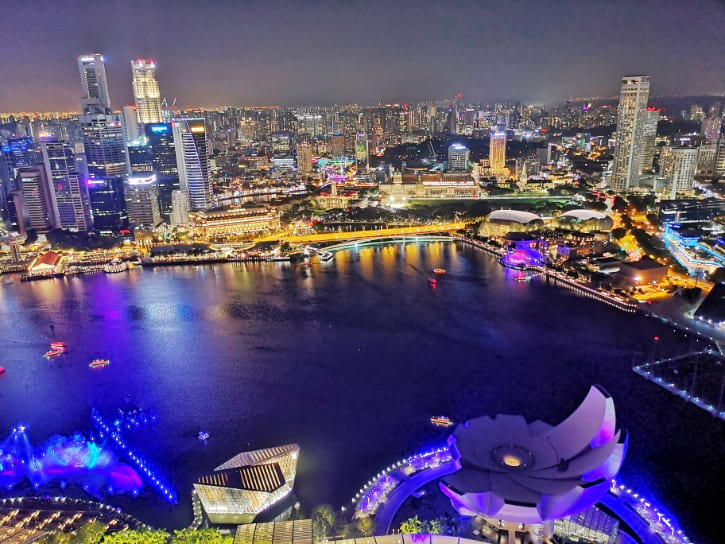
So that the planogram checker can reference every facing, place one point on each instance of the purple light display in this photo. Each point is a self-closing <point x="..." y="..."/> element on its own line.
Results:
<point x="65" y="459"/>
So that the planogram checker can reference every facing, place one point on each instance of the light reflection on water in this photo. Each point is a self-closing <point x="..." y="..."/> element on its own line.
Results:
<point x="348" y="358"/>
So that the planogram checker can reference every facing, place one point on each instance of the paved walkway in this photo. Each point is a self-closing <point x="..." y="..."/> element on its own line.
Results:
<point x="386" y="512"/>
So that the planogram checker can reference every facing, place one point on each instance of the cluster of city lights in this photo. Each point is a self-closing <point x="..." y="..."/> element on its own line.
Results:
<point x="139" y="462"/>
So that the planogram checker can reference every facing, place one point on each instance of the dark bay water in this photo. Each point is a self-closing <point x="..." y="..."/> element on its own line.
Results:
<point x="349" y="359"/>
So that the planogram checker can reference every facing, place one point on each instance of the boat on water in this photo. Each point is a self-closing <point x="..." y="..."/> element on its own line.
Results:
<point x="115" y="266"/>
<point x="439" y="270"/>
<point x="53" y="353"/>
<point x="441" y="421"/>
<point x="58" y="345"/>
<point x="2" y="370"/>
<point x="203" y="436"/>
<point x="98" y="363"/>
<point x="433" y="281"/>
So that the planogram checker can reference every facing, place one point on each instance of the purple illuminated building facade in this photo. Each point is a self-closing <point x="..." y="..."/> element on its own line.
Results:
<point x="528" y="474"/>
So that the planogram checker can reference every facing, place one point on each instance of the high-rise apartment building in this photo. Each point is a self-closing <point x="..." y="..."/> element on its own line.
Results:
<point x="337" y="145"/>
<point x="104" y="140"/>
<point x="497" y="151"/>
<point x="304" y="158"/>
<point x="458" y="157"/>
<point x="69" y="194"/>
<point x="678" y="166"/>
<point x="192" y="161"/>
<point x="142" y="201"/>
<point x="631" y="119"/>
<point x="92" y="70"/>
<point x="649" y="135"/>
<point x="146" y="91"/>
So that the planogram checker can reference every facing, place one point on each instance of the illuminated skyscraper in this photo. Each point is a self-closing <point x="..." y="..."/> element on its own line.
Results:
<point x="146" y="91"/>
<point x="162" y="151"/>
<point x="458" y="155"/>
<point x="304" y="158"/>
<point x="631" y="121"/>
<point x="192" y="160"/>
<point x="104" y="140"/>
<point x="142" y="201"/>
<point x="94" y="83"/>
<point x="130" y="123"/>
<point x="362" y="154"/>
<point x="179" y="208"/>
<point x="497" y="151"/>
<point x="69" y="194"/>
<point x="36" y="199"/>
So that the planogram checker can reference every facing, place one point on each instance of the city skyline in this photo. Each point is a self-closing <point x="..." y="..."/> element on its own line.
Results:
<point x="325" y="54"/>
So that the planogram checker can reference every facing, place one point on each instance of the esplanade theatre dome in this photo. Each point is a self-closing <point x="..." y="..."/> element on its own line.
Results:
<point x="500" y="222"/>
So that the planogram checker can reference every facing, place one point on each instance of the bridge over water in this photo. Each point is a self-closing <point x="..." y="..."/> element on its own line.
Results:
<point x="362" y="234"/>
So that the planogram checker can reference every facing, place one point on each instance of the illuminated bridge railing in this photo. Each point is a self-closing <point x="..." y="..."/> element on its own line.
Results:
<point x="361" y="234"/>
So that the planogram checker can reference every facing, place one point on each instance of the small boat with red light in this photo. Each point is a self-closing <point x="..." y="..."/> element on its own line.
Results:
<point x="58" y="346"/>
<point x="439" y="271"/>
<point x="433" y="281"/>
<point x="2" y="370"/>
<point x="441" y="421"/>
<point x="98" y="363"/>
<point x="53" y="353"/>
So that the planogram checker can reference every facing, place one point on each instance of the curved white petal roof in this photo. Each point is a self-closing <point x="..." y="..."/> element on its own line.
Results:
<point x="530" y="472"/>
<point x="584" y="215"/>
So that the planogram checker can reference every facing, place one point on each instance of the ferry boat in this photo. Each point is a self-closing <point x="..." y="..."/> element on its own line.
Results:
<point x="441" y="421"/>
<point x="203" y="436"/>
<point x="53" y="353"/>
<point x="439" y="270"/>
<point x="57" y="346"/>
<point x="115" y="266"/>
<point x="98" y="363"/>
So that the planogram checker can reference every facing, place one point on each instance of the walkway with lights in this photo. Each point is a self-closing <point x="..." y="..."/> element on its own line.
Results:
<point x="361" y="234"/>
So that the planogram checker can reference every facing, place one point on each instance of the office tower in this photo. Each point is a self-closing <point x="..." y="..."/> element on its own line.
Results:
<point x="139" y="156"/>
<point x="142" y="201"/>
<point x="677" y="167"/>
<point x="631" y="113"/>
<point x="162" y="151"/>
<point x="130" y="123"/>
<point x="15" y="153"/>
<point x="104" y="140"/>
<point x="304" y="158"/>
<point x="69" y="195"/>
<point x="192" y="161"/>
<point x="458" y="155"/>
<point x="179" y="208"/>
<point x="94" y="84"/>
<point x="497" y="151"/>
<point x="696" y="113"/>
<point x="712" y="125"/>
<point x="362" y="155"/>
<point x="649" y="135"/>
<point x="37" y="202"/>
<point x="146" y="91"/>
<point x="337" y="145"/>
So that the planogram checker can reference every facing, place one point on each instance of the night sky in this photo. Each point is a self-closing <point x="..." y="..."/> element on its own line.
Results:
<point x="317" y="52"/>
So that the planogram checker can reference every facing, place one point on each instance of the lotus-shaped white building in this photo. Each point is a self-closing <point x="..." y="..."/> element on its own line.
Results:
<point x="530" y="473"/>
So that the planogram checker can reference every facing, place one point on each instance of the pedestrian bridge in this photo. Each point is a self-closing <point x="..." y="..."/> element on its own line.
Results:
<point x="322" y="237"/>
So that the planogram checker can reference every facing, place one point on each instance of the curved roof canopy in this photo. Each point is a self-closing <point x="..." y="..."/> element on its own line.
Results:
<point x="530" y="472"/>
<point x="512" y="216"/>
